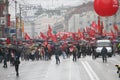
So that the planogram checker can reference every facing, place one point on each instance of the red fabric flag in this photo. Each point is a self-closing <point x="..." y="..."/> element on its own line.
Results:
<point x="8" y="41"/>
<point x="27" y="37"/>
<point x="64" y="37"/>
<point x="45" y="43"/>
<point x="43" y="36"/>
<point x="113" y="35"/>
<point x="54" y="38"/>
<point x="79" y="34"/>
<point x="91" y="33"/>
<point x="116" y="28"/>
<point x="49" y="28"/>
<point x="49" y="32"/>
<point x="74" y="36"/>
<point x="104" y="33"/>
<point x="94" y="25"/>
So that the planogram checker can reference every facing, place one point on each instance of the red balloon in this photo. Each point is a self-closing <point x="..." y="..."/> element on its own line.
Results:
<point x="106" y="7"/>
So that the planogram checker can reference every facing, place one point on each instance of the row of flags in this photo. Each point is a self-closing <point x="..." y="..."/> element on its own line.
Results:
<point x="92" y="31"/>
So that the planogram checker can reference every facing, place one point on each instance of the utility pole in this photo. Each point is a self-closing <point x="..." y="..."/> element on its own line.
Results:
<point x="16" y="18"/>
<point x="20" y="22"/>
<point x="33" y="30"/>
<point x="74" y="22"/>
<point x="115" y="23"/>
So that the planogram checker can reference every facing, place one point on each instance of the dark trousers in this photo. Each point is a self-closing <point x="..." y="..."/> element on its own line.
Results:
<point x="57" y="59"/>
<point x="5" y="63"/>
<point x="74" y="57"/>
<point x="16" y="69"/>
<point x="104" y="57"/>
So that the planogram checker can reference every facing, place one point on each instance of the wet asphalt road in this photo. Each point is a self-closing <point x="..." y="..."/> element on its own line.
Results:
<point x="84" y="69"/>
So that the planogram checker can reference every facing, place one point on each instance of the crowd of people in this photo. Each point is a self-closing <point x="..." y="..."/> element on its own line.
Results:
<point x="11" y="55"/>
<point x="44" y="52"/>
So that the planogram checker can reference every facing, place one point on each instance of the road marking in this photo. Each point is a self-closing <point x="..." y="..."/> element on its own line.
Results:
<point x="49" y="69"/>
<point x="87" y="70"/>
<point x="90" y="71"/>
<point x="94" y="74"/>
<point x="70" y="70"/>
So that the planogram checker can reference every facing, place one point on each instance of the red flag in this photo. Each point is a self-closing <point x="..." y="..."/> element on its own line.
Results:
<point x="116" y="28"/>
<point x="8" y="41"/>
<point x="64" y="37"/>
<point x="91" y="32"/>
<point x="105" y="33"/>
<point x="27" y="37"/>
<point x="74" y="36"/>
<point x="112" y="34"/>
<point x="79" y="33"/>
<point x="49" y="32"/>
<point x="54" y="38"/>
<point x="43" y="36"/>
<point x="49" y="28"/>
<point x="94" y="25"/>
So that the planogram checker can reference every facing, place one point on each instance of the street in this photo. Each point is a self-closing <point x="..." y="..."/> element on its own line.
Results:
<point x="84" y="69"/>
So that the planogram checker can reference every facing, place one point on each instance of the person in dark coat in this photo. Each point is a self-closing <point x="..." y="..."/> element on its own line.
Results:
<point x="46" y="52"/>
<point x="104" y="54"/>
<point x="57" y="53"/>
<point x="16" y="60"/>
<point x="1" y="55"/>
<point x="83" y="50"/>
<point x="5" y="57"/>
<point x="79" y="50"/>
<point x="12" y="57"/>
<point x="75" y="52"/>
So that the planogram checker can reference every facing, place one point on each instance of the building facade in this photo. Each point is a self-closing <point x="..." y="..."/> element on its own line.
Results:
<point x="4" y="18"/>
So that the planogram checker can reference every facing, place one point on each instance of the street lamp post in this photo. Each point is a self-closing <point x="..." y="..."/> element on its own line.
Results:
<point x="20" y="22"/>
<point x="16" y="18"/>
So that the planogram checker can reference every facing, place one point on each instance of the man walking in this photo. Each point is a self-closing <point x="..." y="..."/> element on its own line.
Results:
<point x="5" y="57"/>
<point x="16" y="60"/>
<point x="16" y="63"/>
<point x="104" y="54"/>
<point x="57" y="53"/>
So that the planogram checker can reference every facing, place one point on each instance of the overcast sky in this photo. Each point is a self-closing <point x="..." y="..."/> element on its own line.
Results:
<point x="54" y="3"/>
<point x="48" y="4"/>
